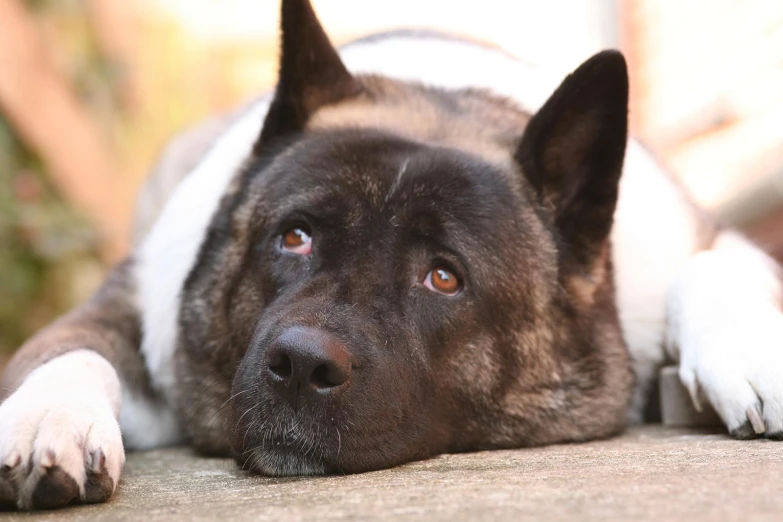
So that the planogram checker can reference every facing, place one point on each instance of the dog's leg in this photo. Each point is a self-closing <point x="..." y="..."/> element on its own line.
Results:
<point x="725" y="327"/>
<point x="59" y="433"/>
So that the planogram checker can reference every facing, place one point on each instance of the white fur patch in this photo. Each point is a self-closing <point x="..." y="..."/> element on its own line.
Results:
<point x="726" y="328"/>
<point x="453" y="64"/>
<point x="169" y="251"/>
<point x="62" y="415"/>
<point x="147" y="425"/>
<point x="654" y="234"/>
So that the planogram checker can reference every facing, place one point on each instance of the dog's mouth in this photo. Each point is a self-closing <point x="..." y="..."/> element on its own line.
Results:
<point x="290" y="451"/>
<point x="281" y="462"/>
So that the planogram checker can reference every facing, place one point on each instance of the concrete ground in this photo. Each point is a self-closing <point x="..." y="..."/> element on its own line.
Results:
<point x="650" y="473"/>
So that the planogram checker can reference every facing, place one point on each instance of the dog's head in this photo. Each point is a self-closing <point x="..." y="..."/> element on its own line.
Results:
<point x="401" y="271"/>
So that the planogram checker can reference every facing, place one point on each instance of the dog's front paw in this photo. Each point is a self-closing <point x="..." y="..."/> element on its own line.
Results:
<point x="738" y="367"/>
<point x="60" y="442"/>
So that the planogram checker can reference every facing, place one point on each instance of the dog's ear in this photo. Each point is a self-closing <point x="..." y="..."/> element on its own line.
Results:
<point x="572" y="154"/>
<point x="310" y="76"/>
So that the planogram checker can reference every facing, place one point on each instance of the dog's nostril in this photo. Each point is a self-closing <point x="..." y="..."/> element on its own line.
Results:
<point x="306" y="364"/>
<point x="330" y="375"/>
<point x="280" y="365"/>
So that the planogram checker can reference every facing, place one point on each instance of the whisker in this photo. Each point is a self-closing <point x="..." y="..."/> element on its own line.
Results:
<point x="243" y="416"/>
<point x="234" y="396"/>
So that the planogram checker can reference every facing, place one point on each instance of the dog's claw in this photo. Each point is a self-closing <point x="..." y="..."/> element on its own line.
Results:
<point x="96" y="461"/>
<point x="48" y="459"/>
<point x="693" y="391"/>
<point x="13" y="460"/>
<point x="754" y="417"/>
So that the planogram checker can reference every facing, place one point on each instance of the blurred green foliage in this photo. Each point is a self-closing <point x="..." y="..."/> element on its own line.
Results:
<point x="43" y="242"/>
<point x="48" y="252"/>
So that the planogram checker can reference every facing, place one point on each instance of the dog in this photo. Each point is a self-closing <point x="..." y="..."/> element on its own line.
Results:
<point x="416" y="245"/>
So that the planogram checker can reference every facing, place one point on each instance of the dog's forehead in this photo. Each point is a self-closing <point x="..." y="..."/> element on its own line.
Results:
<point x="474" y="121"/>
<point x="379" y="172"/>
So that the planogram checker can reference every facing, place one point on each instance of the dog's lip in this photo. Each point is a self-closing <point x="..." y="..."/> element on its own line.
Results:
<point x="280" y="455"/>
<point x="285" y="463"/>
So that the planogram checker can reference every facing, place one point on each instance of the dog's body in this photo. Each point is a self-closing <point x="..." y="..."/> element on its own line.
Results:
<point x="416" y="158"/>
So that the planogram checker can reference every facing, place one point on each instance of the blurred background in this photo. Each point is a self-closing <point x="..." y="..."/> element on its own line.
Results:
<point x="90" y="90"/>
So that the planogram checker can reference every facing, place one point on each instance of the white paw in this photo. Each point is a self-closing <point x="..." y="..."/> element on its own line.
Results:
<point x="738" y="368"/>
<point x="726" y="326"/>
<point x="59" y="438"/>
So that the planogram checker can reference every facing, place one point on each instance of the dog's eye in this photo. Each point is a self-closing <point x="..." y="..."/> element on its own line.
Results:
<point x="297" y="240"/>
<point x="443" y="280"/>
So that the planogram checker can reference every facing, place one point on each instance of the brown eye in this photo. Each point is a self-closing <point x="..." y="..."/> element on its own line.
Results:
<point x="443" y="280"/>
<point x="297" y="240"/>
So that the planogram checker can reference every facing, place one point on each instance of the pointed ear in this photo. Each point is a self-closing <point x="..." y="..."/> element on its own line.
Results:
<point x="572" y="153"/>
<point x="310" y="76"/>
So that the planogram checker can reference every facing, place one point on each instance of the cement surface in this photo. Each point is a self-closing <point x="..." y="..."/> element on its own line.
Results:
<point x="650" y="473"/>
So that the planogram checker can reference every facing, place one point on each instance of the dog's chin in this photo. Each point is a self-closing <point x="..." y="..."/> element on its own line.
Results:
<point x="278" y="459"/>
<point x="282" y="463"/>
<point x="299" y="452"/>
<point x="288" y="452"/>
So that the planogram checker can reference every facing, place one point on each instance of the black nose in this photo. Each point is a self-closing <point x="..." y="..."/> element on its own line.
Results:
<point x="305" y="363"/>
